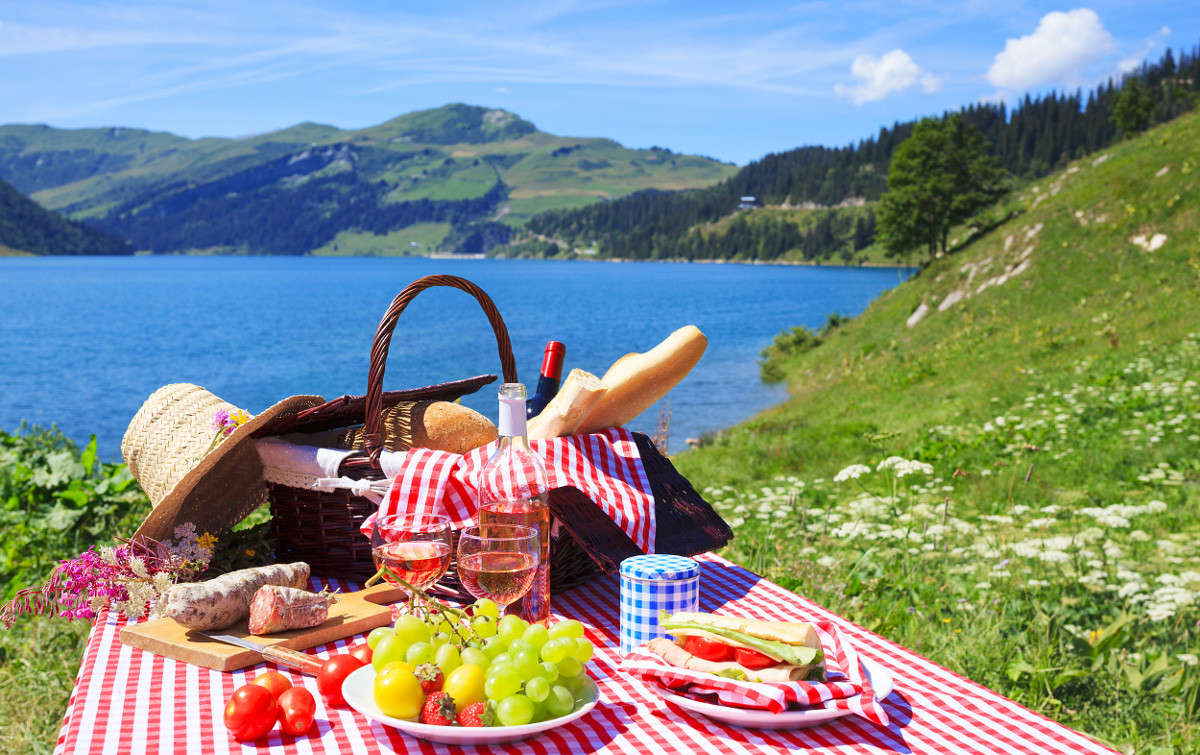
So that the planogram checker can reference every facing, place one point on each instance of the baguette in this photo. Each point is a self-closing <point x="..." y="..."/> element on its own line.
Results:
<point x="636" y="381"/>
<point x="580" y="393"/>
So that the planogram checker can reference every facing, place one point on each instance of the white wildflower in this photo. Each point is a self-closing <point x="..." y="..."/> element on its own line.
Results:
<point x="890" y="461"/>
<point x="852" y="472"/>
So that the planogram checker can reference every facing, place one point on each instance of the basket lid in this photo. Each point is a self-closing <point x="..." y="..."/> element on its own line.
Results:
<point x="659" y="567"/>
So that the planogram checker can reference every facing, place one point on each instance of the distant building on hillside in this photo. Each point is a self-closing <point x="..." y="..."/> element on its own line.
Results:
<point x="747" y="203"/>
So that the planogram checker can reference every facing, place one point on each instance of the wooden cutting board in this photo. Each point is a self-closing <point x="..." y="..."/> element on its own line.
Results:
<point x="354" y="613"/>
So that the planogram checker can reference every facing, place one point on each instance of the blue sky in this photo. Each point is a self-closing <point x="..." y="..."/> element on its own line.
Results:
<point x="729" y="80"/>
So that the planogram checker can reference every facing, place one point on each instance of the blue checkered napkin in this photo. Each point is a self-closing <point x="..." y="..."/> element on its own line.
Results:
<point x="650" y="584"/>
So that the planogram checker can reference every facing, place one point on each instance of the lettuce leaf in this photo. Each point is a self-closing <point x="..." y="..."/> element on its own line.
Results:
<point x="796" y="655"/>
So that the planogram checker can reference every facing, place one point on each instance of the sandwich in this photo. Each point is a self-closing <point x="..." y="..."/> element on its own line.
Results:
<point x="747" y="649"/>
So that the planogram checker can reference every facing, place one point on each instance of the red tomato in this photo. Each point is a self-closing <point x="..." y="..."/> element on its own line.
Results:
<point x="332" y="674"/>
<point x="706" y="649"/>
<point x="362" y="652"/>
<point x="752" y="658"/>
<point x="250" y="712"/>
<point x="296" y="710"/>
<point x="274" y="681"/>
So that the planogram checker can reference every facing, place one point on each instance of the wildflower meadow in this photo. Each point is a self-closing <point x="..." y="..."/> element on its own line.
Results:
<point x="1049" y="552"/>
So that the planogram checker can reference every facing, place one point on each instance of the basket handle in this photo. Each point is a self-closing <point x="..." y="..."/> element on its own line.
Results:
<point x="373" y="426"/>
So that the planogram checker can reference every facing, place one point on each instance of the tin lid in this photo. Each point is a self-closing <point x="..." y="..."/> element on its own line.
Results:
<point x="659" y="567"/>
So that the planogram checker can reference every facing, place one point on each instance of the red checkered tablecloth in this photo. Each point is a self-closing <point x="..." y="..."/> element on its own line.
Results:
<point x="130" y="701"/>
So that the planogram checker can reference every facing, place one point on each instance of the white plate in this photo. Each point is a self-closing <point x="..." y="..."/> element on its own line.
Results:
<point x="359" y="691"/>
<point x="881" y="683"/>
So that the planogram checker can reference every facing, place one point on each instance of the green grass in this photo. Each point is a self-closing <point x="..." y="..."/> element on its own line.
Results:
<point x="395" y="243"/>
<point x="1059" y="411"/>
<point x="39" y="660"/>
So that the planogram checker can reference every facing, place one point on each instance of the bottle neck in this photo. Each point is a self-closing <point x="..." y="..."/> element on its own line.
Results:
<point x="512" y="417"/>
<point x="553" y="360"/>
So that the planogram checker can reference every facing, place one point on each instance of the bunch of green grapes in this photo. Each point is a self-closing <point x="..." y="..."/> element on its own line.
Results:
<point x="530" y="673"/>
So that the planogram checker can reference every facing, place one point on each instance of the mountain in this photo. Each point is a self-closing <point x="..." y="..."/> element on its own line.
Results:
<point x="457" y="176"/>
<point x="1035" y="137"/>
<point x="26" y="226"/>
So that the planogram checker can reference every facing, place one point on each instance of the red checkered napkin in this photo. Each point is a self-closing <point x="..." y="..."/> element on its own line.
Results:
<point x="606" y="466"/>
<point x="847" y="687"/>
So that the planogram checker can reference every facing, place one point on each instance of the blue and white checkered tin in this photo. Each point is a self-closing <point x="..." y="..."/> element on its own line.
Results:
<point x="650" y="584"/>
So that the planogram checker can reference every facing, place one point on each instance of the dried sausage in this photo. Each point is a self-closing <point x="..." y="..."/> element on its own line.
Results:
<point x="225" y="600"/>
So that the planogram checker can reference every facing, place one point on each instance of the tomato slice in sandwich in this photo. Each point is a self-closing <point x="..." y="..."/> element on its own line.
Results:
<point x="709" y="650"/>
<point x="752" y="659"/>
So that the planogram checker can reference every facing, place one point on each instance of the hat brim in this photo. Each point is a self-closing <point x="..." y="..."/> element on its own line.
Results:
<point x="225" y="486"/>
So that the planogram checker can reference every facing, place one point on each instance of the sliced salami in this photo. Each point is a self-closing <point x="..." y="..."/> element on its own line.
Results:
<point x="278" y="609"/>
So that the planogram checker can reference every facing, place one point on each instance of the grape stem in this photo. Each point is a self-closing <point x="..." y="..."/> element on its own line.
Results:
<point x="426" y="603"/>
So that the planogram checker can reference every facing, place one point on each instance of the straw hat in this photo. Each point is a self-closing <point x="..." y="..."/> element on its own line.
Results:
<point x="194" y="462"/>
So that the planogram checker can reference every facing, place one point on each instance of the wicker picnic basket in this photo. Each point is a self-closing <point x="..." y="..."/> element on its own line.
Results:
<point x="322" y="528"/>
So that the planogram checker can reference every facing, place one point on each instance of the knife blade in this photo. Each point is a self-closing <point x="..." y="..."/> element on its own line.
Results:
<point x="302" y="662"/>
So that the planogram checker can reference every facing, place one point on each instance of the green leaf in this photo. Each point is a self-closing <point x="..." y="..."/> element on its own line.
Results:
<point x="1016" y="667"/>
<point x="1133" y="676"/>
<point x="88" y="458"/>
<point x="61" y="518"/>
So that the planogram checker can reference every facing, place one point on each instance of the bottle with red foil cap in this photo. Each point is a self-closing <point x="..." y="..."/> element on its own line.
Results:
<point x="513" y="490"/>
<point x="548" y="383"/>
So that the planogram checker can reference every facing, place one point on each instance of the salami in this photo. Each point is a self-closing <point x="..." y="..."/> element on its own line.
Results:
<point x="225" y="600"/>
<point x="277" y="609"/>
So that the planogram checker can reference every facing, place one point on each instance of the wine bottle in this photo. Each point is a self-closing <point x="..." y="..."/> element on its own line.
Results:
<point x="548" y="383"/>
<point x="513" y="490"/>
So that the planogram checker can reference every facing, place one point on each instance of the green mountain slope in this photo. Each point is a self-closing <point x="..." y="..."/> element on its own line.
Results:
<point x="26" y="226"/>
<point x="469" y="171"/>
<point x="1046" y="373"/>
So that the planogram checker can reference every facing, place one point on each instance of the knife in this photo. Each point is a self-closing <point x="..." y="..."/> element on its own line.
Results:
<point x="302" y="662"/>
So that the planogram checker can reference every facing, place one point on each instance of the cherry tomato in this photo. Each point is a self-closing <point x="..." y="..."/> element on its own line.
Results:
<point x="706" y="649"/>
<point x="275" y="682"/>
<point x="465" y="685"/>
<point x="398" y="693"/>
<point x="332" y="674"/>
<point x="362" y="652"/>
<point x="752" y="658"/>
<point x="250" y="712"/>
<point x="296" y="710"/>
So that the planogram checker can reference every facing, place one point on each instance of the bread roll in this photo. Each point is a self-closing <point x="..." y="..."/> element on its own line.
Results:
<point x="636" y="381"/>
<point x="444" y="426"/>
<point x="580" y="393"/>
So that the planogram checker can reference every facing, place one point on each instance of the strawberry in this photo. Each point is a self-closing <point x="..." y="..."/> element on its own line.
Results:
<point x="476" y="714"/>
<point x="430" y="677"/>
<point x="438" y="710"/>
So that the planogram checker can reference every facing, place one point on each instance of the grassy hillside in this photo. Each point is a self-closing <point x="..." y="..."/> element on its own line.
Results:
<point x="315" y="186"/>
<point x="1050" y="548"/>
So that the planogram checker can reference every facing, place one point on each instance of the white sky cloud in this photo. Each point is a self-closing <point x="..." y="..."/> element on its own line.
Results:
<point x="1056" y="53"/>
<point x="879" y="77"/>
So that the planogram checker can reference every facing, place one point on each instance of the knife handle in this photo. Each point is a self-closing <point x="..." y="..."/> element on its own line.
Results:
<point x="302" y="662"/>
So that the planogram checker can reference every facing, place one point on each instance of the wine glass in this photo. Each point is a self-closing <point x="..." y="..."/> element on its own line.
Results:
<point x="498" y="561"/>
<point x="416" y="547"/>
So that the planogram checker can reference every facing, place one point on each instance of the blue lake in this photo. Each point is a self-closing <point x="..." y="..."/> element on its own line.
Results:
<point x="84" y="340"/>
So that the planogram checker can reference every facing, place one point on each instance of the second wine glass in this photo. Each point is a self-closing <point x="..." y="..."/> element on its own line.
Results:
<point x="498" y="561"/>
